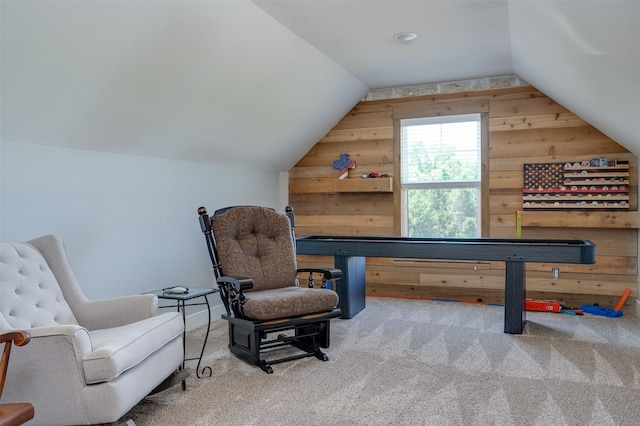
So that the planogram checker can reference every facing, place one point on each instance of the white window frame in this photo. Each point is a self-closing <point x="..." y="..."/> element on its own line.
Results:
<point x="442" y="184"/>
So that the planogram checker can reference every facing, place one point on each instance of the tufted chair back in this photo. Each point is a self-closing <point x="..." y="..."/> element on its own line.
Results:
<point x="256" y="242"/>
<point x="29" y="292"/>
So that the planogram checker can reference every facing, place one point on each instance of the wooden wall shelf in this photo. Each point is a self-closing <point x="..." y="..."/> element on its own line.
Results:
<point x="581" y="219"/>
<point x="355" y="184"/>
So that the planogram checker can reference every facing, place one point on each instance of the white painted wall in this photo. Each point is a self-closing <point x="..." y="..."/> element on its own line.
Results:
<point x="129" y="223"/>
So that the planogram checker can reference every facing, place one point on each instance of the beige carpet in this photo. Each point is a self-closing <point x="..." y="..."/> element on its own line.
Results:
<point x="411" y="362"/>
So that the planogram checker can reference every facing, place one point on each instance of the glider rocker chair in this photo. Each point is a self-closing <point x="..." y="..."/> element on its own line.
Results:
<point x="253" y="254"/>
<point x="87" y="362"/>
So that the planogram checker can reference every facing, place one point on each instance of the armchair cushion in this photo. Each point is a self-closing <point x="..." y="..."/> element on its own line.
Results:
<point x="121" y="348"/>
<point x="288" y="302"/>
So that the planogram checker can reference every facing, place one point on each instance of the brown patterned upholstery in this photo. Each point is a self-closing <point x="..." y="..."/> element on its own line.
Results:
<point x="256" y="243"/>
<point x="288" y="301"/>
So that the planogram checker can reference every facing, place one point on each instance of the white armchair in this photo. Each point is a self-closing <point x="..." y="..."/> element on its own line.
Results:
<point x="88" y="362"/>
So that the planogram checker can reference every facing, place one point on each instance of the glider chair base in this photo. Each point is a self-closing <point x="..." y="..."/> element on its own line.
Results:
<point x="252" y="341"/>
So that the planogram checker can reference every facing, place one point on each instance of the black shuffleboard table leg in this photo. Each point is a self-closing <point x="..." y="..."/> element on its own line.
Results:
<point x="514" y="297"/>
<point x="351" y="287"/>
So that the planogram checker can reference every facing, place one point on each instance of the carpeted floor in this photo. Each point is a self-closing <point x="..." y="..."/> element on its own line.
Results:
<point x="412" y="362"/>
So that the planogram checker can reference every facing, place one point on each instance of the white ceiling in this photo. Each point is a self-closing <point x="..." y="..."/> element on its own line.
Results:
<point x="456" y="39"/>
<point x="258" y="83"/>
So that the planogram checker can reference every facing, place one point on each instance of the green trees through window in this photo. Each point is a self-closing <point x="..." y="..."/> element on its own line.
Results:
<point x="442" y="213"/>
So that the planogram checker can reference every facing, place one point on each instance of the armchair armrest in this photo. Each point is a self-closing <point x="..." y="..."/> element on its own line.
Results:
<point x="77" y="335"/>
<point x="108" y="313"/>
<point x="327" y="273"/>
<point x="53" y="360"/>
<point x="19" y="338"/>
<point x="60" y="344"/>
<point x="232" y="293"/>
<point x="239" y="284"/>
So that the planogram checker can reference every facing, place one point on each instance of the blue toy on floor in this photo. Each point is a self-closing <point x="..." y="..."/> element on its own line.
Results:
<point x="599" y="310"/>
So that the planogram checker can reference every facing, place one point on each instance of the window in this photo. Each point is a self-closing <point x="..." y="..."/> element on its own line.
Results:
<point x="441" y="176"/>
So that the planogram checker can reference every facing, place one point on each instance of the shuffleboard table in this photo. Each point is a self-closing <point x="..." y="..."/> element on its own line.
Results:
<point x="350" y="252"/>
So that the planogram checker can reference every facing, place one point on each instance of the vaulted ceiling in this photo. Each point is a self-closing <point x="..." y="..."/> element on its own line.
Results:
<point x="258" y="83"/>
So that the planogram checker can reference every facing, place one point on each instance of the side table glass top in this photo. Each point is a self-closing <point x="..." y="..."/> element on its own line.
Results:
<point x="192" y="293"/>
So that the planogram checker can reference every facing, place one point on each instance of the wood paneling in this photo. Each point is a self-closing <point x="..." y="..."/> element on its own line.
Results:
<point x="524" y="126"/>
<point x="538" y="121"/>
<point x="571" y="219"/>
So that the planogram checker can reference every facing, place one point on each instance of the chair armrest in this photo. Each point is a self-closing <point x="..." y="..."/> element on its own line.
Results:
<point x="238" y="283"/>
<point x="53" y="360"/>
<point x="327" y="273"/>
<point x="79" y="335"/>
<point x="108" y="313"/>
<point x="58" y="337"/>
<point x="17" y="337"/>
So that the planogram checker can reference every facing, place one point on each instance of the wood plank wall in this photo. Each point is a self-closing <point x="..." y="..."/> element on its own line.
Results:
<point x="524" y="126"/>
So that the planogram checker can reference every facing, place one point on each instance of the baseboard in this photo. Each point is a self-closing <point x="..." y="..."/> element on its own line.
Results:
<point x="638" y="307"/>
<point x="198" y="319"/>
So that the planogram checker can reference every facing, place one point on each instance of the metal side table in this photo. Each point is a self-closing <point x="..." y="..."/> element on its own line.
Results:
<point x="181" y="304"/>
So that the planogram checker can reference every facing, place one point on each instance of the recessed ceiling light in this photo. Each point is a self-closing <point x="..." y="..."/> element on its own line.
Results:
<point x="405" y="36"/>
